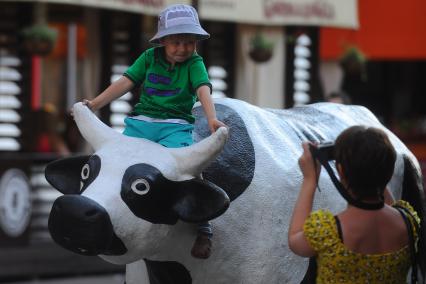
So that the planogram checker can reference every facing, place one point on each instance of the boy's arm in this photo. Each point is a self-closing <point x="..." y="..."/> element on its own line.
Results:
<point x="204" y="97"/>
<point x="115" y="90"/>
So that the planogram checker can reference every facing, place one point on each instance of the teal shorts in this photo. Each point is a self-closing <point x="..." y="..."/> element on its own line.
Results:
<point x="171" y="135"/>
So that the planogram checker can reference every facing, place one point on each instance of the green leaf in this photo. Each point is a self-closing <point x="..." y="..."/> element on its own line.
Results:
<point x="40" y="32"/>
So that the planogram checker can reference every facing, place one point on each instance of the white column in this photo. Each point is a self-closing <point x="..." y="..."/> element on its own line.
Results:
<point x="72" y="65"/>
<point x="261" y="84"/>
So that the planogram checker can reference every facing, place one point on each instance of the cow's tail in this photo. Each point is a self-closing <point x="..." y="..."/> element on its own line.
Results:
<point x="413" y="192"/>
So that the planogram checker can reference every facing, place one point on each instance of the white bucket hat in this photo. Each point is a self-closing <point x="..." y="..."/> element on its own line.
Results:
<point x="179" y="19"/>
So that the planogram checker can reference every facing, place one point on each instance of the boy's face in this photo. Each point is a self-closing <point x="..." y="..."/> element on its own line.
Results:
<point x="179" y="47"/>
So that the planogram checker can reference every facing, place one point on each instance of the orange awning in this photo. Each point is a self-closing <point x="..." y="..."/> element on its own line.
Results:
<point x="389" y="29"/>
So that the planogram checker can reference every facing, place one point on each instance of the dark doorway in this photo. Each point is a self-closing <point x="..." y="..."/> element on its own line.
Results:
<point x="396" y="92"/>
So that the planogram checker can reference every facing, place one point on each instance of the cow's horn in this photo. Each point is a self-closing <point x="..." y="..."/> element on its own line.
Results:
<point x="93" y="130"/>
<point x="193" y="159"/>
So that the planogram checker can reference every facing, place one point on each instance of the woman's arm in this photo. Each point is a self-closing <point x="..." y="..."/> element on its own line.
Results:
<point x="206" y="101"/>
<point x="303" y="207"/>
<point x="115" y="90"/>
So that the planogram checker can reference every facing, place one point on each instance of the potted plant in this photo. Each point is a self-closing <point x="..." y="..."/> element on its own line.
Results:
<point x="261" y="48"/>
<point x="353" y="61"/>
<point x="39" y="39"/>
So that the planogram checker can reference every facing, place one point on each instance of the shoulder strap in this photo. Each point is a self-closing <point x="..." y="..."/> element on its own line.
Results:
<point x="411" y="240"/>
<point x="408" y="213"/>
<point x="339" y="227"/>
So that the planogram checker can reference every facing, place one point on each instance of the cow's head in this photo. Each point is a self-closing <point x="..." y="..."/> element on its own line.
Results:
<point x="128" y="185"/>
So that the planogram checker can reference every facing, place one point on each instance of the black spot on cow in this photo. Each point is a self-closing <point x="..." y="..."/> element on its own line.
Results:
<point x="167" y="272"/>
<point x="154" y="198"/>
<point x="73" y="175"/>
<point x="233" y="169"/>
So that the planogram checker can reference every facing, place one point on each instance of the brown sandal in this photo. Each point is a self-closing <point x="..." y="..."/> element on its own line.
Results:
<point x="202" y="247"/>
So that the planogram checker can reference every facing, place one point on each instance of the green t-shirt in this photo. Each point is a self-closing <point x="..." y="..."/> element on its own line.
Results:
<point x="167" y="93"/>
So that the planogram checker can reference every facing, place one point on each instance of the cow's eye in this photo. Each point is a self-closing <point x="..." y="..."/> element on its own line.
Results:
<point x="140" y="186"/>
<point x="85" y="172"/>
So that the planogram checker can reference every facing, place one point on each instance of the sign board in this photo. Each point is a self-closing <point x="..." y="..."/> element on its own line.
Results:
<point x="150" y="7"/>
<point x="333" y="13"/>
<point x="15" y="203"/>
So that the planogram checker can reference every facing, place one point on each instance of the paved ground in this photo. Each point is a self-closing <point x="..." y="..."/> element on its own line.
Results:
<point x="104" y="279"/>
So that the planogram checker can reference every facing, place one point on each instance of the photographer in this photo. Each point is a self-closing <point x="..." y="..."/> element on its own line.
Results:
<point x="368" y="242"/>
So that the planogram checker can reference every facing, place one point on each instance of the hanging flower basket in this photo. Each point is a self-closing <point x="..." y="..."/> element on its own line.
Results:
<point x="38" y="46"/>
<point x="353" y="61"/>
<point x="260" y="55"/>
<point x="38" y="39"/>
<point x="261" y="49"/>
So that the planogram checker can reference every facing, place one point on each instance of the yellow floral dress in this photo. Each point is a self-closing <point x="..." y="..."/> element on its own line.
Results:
<point x="337" y="264"/>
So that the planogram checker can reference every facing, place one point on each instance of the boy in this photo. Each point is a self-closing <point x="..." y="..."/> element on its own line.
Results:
<point x="173" y="75"/>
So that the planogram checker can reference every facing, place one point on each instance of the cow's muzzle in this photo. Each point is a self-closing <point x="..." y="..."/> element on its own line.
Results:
<point x="81" y="225"/>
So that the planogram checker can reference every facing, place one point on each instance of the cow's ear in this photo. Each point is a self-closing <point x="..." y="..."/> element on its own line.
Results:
<point x="64" y="174"/>
<point x="199" y="200"/>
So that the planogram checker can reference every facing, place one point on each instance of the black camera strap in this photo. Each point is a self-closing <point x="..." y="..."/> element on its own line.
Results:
<point x="352" y="201"/>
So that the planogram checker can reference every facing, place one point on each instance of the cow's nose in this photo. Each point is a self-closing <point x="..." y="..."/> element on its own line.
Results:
<point x="83" y="226"/>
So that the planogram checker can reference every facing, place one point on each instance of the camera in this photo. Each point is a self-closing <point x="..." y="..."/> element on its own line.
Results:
<point x="323" y="151"/>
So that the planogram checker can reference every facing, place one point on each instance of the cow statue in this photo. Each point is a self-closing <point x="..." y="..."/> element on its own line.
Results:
<point x="134" y="202"/>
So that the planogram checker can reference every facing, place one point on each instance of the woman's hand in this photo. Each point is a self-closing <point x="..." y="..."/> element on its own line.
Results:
<point x="310" y="167"/>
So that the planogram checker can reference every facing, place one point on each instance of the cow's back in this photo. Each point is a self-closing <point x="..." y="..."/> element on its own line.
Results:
<point x="275" y="136"/>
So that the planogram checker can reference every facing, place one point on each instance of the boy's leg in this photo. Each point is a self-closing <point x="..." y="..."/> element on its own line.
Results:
<point x="205" y="229"/>
<point x="176" y="135"/>
<point x="181" y="136"/>
<point x="203" y="244"/>
<point x="140" y="129"/>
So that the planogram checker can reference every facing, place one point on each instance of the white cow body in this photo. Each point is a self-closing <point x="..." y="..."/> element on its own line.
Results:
<point x="250" y="238"/>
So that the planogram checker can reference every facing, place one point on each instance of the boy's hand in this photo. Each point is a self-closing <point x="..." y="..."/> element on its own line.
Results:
<point x="84" y="102"/>
<point x="88" y="103"/>
<point x="215" y="124"/>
